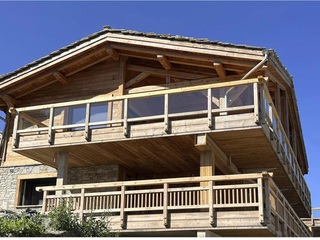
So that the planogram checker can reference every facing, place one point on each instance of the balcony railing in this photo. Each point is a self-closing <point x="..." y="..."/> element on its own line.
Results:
<point x="269" y="115"/>
<point x="204" y="102"/>
<point x="253" y="194"/>
<point x="159" y="106"/>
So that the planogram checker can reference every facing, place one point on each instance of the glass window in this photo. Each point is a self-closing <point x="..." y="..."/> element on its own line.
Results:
<point x="143" y="107"/>
<point x="77" y="114"/>
<point x="188" y="102"/>
<point x="28" y="193"/>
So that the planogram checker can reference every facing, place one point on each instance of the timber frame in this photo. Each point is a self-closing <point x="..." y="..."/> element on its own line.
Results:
<point x="171" y="106"/>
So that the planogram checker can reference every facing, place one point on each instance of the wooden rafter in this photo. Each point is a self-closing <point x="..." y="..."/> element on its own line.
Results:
<point x="60" y="77"/>
<point x="219" y="69"/>
<point x="161" y="72"/>
<point x="164" y="62"/>
<point x="137" y="79"/>
<point x="112" y="53"/>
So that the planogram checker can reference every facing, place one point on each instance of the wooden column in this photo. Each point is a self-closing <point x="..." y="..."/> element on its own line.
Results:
<point x="207" y="164"/>
<point x="122" y="81"/>
<point x="62" y="175"/>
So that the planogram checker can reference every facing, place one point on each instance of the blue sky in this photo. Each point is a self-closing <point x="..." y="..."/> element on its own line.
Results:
<point x="31" y="30"/>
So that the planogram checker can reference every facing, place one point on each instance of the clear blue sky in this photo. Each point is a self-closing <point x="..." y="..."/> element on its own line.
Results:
<point x="30" y="30"/>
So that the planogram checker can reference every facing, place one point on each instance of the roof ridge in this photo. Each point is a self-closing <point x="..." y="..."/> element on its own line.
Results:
<point x="107" y="29"/>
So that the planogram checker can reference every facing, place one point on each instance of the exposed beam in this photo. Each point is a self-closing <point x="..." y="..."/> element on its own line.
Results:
<point x="204" y="142"/>
<point x="164" y="62"/>
<point x="137" y="79"/>
<point x="112" y="53"/>
<point x="184" y="84"/>
<point x="32" y="120"/>
<point x="184" y="55"/>
<point x="161" y="72"/>
<point x="10" y="101"/>
<point x="60" y="77"/>
<point x="219" y="69"/>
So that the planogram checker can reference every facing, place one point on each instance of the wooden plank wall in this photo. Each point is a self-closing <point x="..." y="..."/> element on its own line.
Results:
<point x="99" y="79"/>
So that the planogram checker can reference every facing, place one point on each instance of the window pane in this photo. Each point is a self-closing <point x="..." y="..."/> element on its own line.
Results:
<point x="143" y="107"/>
<point x="240" y="96"/>
<point x="99" y="112"/>
<point x="188" y="102"/>
<point x="77" y="114"/>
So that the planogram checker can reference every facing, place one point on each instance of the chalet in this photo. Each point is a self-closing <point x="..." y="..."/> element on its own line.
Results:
<point x="173" y="136"/>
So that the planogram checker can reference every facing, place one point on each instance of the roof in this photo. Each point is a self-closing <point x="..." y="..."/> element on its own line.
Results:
<point x="108" y="29"/>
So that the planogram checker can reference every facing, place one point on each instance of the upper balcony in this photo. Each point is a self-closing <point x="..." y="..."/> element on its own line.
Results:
<point x="155" y="131"/>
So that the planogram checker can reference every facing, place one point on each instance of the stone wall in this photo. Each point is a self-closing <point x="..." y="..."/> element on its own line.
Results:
<point x="9" y="178"/>
<point x="94" y="174"/>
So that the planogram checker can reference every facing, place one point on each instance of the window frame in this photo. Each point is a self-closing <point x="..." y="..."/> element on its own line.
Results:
<point x="24" y="177"/>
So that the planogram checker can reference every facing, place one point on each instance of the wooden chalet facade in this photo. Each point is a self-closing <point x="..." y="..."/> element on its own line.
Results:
<point x="173" y="136"/>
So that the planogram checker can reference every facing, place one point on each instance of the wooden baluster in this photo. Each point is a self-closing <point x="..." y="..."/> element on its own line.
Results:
<point x="165" y="204"/>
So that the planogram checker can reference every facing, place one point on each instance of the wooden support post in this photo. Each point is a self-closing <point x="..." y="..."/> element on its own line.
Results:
<point x="44" y="202"/>
<point x="122" y="207"/>
<point x="207" y="165"/>
<point x="165" y="204"/>
<point x="209" y="97"/>
<point x="256" y="101"/>
<point x="125" y="117"/>
<point x="122" y="81"/>
<point x="223" y="101"/>
<point x="266" y="182"/>
<point x="166" y="113"/>
<point x="86" y="128"/>
<point x="261" y="201"/>
<point x="15" y="134"/>
<point x="62" y="174"/>
<point x="211" y="202"/>
<point x="262" y="118"/>
<point x="82" y="199"/>
<point x="51" y="119"/>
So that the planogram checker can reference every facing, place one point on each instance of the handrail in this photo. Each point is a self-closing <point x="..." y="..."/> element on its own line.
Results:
<point x="142" y="95"/>
<point x="299" y="176"/>
<point x="158" y="181"/>
<point x="232" y="192"/>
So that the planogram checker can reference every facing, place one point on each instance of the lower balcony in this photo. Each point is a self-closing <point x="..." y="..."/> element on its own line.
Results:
<point x="226" y="205"/>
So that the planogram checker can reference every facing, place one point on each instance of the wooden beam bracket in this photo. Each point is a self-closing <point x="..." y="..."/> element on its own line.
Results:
<point x="164" y="62"/>
<point x="60" y="77"/>
<point x="113" y="53"/>
<point x="219" y="69"/>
